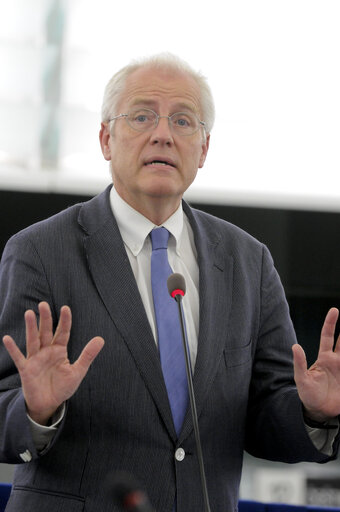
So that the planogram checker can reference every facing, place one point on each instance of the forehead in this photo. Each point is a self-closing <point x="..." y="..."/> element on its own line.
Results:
<point x="158" y="86"/>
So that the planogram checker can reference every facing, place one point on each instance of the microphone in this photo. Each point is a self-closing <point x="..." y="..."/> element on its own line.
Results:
<point x="177" y="289"/>
<point x="127" y="493"/>
<point x="176" y="286"/>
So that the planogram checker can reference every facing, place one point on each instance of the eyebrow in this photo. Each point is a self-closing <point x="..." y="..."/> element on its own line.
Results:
<point x="179" y="107"/>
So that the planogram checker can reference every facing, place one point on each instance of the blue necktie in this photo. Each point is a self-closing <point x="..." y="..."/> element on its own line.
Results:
<point x="168" y="328"/>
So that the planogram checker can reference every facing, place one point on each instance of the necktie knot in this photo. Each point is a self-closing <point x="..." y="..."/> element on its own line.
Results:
<point x="159" y="238"/>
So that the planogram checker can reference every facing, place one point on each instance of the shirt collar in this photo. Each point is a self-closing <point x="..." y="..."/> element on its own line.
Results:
<point x="135" y="228"/>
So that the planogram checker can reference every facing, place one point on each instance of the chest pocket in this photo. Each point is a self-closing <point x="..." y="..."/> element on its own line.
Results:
<point x="238" y="356"/>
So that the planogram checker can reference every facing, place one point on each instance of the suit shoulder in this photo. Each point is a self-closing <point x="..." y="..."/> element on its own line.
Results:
<point x="61" y="220"/>
<point x="81" y="216"/>
<point x="223" y="228"/>
<point x="64" y="230"/>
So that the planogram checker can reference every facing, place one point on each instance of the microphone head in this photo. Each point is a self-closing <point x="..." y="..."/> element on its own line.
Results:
<point x="127" y="493"/>
<point x="176" y="285"/>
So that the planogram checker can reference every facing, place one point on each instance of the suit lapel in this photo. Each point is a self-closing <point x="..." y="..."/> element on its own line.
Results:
<point x="112" y="274"/>
<point x="113" y="277"/>
<point x="215" y="292"/>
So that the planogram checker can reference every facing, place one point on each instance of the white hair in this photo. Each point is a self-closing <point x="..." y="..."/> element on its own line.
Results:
<point x="168" y="61"/>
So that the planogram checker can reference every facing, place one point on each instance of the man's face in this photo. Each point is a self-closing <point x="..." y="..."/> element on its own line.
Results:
<point x="138" y="174"/>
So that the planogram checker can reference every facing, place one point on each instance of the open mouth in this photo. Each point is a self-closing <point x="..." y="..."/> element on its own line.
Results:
<point x="160" y="162"/>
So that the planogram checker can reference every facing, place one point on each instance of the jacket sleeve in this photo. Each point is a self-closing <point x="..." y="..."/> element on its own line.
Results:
<point x="275" y="425"/>
<point x="23" y="285"/>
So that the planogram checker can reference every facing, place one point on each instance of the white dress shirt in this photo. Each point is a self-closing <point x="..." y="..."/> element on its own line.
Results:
<point x="134" y="229"/>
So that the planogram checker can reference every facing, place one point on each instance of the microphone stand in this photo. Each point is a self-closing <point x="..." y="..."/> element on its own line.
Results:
<point x="178" y="299"/>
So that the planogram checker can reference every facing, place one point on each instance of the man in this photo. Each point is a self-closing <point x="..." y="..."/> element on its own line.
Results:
<point x="69" y="425"/>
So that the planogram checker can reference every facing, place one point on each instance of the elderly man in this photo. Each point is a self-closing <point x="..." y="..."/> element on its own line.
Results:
<point x="68" y="425"/>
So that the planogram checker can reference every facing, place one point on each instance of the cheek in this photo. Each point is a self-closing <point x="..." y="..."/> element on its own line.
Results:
<point x="196" y="158"/>
<point x="191" y="166"/>
<point x="203" y="155"/>
<point x="122" y="150"/>
<point x="130" y="148"/>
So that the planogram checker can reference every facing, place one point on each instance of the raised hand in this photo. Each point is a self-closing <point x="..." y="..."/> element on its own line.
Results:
<point x="47" y="377"/>
<point x="319" y="386"/>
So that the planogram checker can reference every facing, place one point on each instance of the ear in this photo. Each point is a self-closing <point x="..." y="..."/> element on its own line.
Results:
<point x="104" y="139"/>
<point x="205" y="147"/>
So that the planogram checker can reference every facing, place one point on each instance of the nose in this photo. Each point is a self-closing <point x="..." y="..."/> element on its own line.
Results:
<point x="162" y="133"/>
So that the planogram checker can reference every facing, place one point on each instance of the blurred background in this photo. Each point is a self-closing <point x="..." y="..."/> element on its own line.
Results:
<point x="274" y="161"/>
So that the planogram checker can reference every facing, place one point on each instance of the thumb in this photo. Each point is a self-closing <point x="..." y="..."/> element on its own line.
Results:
<point x="300" y="363"/>
<point x="88" y="354"/>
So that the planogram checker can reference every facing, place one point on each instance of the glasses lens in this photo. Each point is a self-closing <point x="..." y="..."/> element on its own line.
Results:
<point x="142" y="120"/>
<point x="185" y="123"/>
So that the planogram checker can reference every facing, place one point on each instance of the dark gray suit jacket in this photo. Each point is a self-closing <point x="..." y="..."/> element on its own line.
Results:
<point x="120" y="418"/>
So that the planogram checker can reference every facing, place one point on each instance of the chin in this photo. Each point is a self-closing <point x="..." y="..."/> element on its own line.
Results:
<point x="163" y="187"/>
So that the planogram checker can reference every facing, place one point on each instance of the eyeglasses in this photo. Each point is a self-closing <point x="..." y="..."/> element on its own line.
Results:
<point x="143" y="120"/>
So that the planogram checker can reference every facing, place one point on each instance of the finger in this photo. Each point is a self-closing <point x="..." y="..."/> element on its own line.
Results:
<point x="328" y="330"/>
<point x="32" y="333"/>
<point x="300" y="363"/>
<point x="45" y="324"/>
<point x="15" y="353"/>
<point x="63" y="330"/>
<point x="337" y="345"/>
<point x="89" y="353"/>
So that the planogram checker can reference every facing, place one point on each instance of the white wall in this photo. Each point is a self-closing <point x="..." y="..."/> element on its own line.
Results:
<point x="273" y="66"/>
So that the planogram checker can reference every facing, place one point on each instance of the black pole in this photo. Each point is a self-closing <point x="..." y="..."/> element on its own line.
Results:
<point x="178" y="299"/>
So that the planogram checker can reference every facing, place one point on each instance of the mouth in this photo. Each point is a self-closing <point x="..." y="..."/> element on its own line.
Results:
<point x="160" y="162"/>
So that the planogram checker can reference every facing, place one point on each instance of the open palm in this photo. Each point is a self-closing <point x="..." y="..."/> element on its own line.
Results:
<point x="47" y="377"/>
<point x="319" y="386"/>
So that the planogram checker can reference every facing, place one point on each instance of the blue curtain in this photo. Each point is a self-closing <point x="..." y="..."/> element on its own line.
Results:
<point x="254" y="506"/>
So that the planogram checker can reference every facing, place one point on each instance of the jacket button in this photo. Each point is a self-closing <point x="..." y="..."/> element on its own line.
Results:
<point x="179" y="454"/>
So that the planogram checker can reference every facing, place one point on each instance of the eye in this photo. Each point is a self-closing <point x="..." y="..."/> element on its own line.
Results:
<point x="142" y="117"/>
<point x="181" y="120"/>
<point x="184" y="122"/>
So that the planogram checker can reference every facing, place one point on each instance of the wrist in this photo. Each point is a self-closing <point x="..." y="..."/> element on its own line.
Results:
<point x="314" y="420"/>
<point x="43" y="419"/>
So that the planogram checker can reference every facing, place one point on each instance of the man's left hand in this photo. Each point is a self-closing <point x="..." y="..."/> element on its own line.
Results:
<point x="319" y="386"/>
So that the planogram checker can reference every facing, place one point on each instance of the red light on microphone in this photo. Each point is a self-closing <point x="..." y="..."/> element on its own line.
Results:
<point x="133" y="500"/>
<point x="176" y="285"/>
<point x="176" y="292"/>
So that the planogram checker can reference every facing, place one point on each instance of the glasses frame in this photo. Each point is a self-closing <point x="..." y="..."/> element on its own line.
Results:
<point x="157" y="118"/>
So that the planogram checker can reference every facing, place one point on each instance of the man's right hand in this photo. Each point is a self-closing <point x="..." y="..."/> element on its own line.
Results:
<point x="47" y="377"/>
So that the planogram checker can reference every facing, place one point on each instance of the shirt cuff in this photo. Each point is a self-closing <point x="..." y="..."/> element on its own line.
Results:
<point x="323" y="438"/>
<point x="43" y="435"/>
